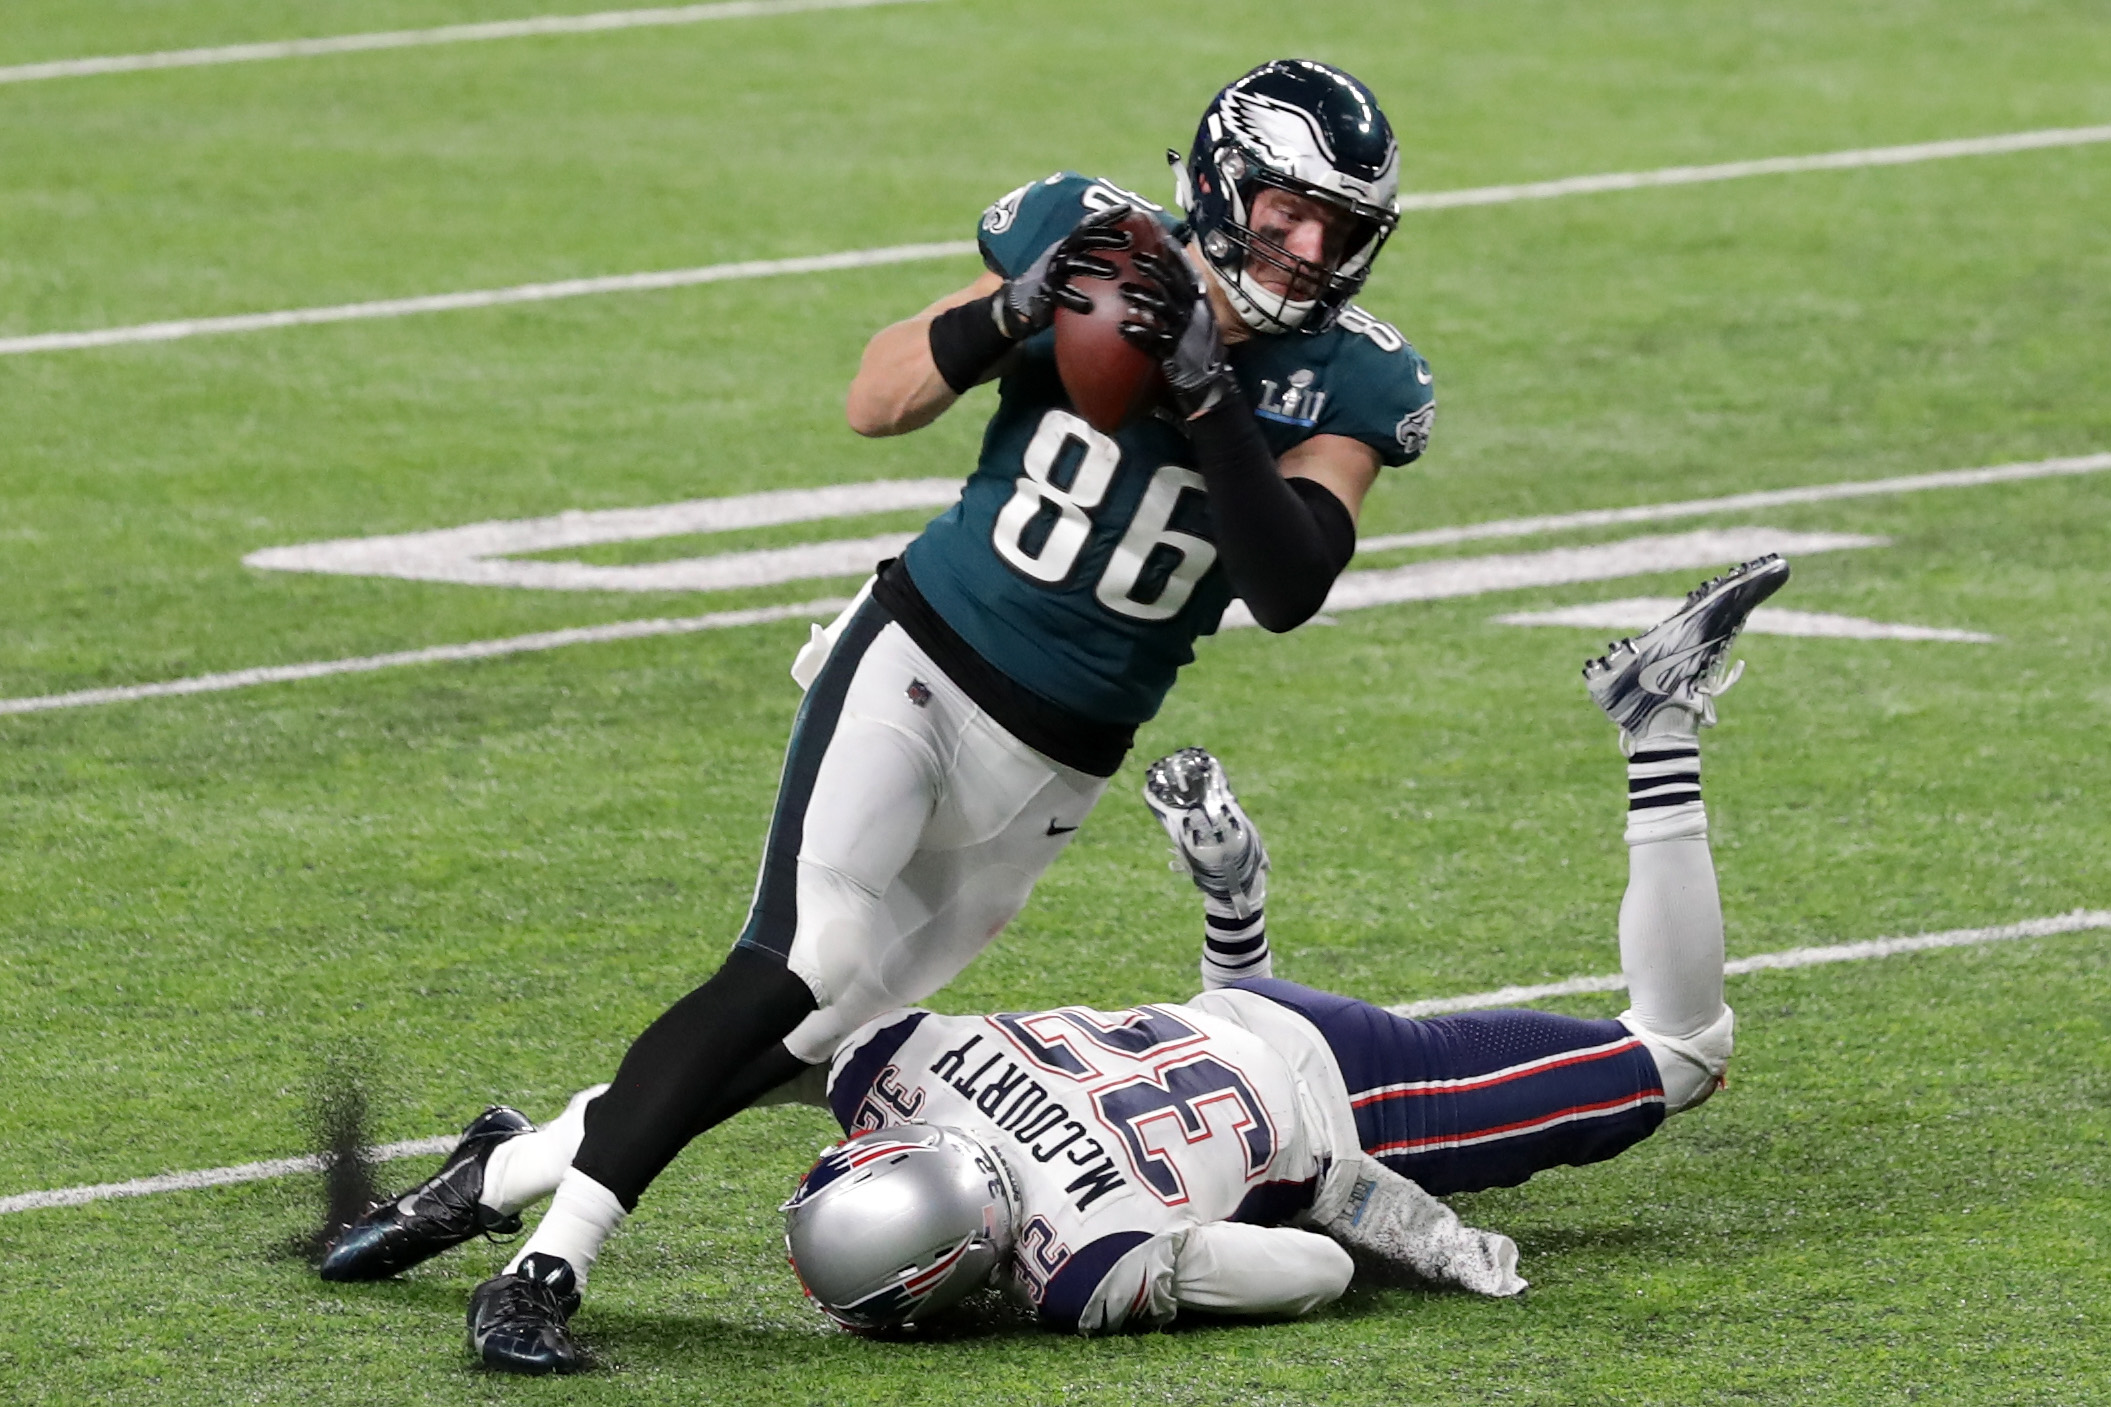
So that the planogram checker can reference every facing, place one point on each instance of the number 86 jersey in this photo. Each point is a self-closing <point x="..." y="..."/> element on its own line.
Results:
<point x="1120" y="1127"/>
<point x="1082" y="565"/>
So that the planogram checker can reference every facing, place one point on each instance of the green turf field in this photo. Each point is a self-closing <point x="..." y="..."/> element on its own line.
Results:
<point x="489" y="876"/>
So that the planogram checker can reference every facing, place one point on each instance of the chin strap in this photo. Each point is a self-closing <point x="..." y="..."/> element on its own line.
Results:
<point x="1183" y="188"/>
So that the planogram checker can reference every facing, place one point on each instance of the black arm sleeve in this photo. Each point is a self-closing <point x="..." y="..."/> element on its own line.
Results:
<point x="966" y="342"/>
<point x="1283" y="541"/>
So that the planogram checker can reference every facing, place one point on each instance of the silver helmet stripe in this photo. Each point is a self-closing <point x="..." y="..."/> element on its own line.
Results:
<point x="1289" y="138"/>
<point x="894" y="1225"/>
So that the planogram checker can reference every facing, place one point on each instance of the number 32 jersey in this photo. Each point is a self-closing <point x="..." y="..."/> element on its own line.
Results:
<point x="1123" y="1130"/>
<point x="1082" y="565"/>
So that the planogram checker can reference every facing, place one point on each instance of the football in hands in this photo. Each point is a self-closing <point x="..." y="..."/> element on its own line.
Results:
<point x="1109" y="381"/>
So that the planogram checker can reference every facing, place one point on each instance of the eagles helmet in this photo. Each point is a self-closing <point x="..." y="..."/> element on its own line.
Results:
<point x="892" y="1228"/>
<point x="1310" y="129"/>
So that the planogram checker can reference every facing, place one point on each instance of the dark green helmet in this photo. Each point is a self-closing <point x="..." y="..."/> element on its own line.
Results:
<point x="1308" y="128"/>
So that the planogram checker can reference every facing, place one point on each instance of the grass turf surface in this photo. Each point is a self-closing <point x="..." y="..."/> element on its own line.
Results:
<point x="493" y="875"/>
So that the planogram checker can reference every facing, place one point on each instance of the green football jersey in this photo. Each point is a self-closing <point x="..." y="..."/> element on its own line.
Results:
<point x="1082" y="565"/>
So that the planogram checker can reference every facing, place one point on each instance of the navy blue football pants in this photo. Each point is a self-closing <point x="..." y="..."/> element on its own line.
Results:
<point x="1483" y="1098"/>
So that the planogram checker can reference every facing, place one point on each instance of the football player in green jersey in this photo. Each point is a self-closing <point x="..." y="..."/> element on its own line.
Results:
<point x="964" y="714"/>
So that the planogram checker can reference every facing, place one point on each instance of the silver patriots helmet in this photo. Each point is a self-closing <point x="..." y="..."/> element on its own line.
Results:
<point x="1310" y="129"/>
<point x="893" y="1228"/>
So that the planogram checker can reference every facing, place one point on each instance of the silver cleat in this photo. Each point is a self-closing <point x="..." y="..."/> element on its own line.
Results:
<point x="1683" y="661"/>
<point x="1214" y="840"/>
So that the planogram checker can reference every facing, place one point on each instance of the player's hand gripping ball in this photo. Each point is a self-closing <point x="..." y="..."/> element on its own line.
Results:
<point x="1110" y="379"/>
<point x="1170" y="319"/>
<point x="1030" y="298"/>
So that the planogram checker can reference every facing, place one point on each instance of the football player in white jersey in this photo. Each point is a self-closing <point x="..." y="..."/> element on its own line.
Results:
<point x="1229" y="1153"/>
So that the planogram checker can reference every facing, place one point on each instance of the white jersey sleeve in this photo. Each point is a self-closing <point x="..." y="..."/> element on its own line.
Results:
<point x="1231" y="1268"/>
<point x="1127" y="1132"/>
<point x="1225" y="1267"/>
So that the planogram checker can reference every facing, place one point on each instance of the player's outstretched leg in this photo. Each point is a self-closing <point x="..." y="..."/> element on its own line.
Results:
<point x="1668" y="677"/>
<point x="502" y="1165"/>
<point x="442" y="1211"/>
<point x="519" y="1320"/>
<point x="1216" y="843"/>
<point x="907" y="832"/>
<point x="1660" y="688"/>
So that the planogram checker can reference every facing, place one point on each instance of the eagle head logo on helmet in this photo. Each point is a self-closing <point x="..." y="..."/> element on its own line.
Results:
<point x="894" y="1227"/>
<point x="1312" y="130"/>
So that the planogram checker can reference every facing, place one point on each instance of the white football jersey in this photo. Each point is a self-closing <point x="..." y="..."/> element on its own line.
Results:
<point x="1120" y="1126"/>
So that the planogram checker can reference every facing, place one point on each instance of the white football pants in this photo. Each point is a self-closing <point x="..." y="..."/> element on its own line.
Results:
<point x="922" y="826"/>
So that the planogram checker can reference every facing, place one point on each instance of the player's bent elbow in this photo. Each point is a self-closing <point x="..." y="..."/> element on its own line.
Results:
<point x="870" y="416"/>
<point x="1280" y="622"/>
<point x="1263" y="1271"/>
<point x="878" y="411"/>
<point x="1279" y="616"/>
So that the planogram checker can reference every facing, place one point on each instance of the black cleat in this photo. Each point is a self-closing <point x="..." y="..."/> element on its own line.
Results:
<point x="518" y="1322"/>
<point x="442" y="1211"/>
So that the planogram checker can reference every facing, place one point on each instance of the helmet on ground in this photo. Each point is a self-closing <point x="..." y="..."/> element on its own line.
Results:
<point x="895" y="1227"/>
<point x="1310" y="129"/>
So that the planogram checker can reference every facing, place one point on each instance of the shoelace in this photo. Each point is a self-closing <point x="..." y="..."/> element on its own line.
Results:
<point x="460" y="1209"/>
<point x="521" y="1295"/>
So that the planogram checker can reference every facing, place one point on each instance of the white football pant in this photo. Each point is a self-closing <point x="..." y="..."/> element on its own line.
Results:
<point x="925" y="830"/>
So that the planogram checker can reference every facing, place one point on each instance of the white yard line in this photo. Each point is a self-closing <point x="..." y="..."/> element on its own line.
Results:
<point x="1997" y="145"/>
<point x="481" y="298"/>
<point x="1448" y="578"/>
<point x="1641" y="612"/>
<point x="903" y="253"/>
<point x="436" y="654"/>
<point x="419" y="38"/>
<point x="2080" y="920"/>
<point x="482" y="553"/>
<point x="2077" y="921"/>
<point x="1739" y="502"/>
<point x="1355" y="591"/>
<point x="211" y="1177"/>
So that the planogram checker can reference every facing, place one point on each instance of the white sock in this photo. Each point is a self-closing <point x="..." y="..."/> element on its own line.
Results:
<point x="1671" y="936"/>
<point x="524" y="1170"/>
<point x="1233" y="948"/>
<point x="580" y="1218"/>
<point x="1671" y="921"/>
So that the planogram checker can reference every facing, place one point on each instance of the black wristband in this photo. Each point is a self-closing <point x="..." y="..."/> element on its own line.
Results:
<point x="966" y="342"/>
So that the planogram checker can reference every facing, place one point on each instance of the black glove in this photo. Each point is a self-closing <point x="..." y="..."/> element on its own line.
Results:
<point x="1027" y="303"/>
<point x="968" y="340"/>
<point x="1170" y="318"/>
<point x="1282" y="541"/>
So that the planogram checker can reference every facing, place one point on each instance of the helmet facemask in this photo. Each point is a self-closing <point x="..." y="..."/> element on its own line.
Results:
<point x="1312" y="132"/>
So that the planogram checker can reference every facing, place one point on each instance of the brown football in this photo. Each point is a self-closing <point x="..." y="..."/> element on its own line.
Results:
<point x="1110" y="382"/>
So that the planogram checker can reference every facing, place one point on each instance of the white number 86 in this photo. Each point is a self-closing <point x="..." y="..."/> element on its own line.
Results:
<point x="1148" y="531"/>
